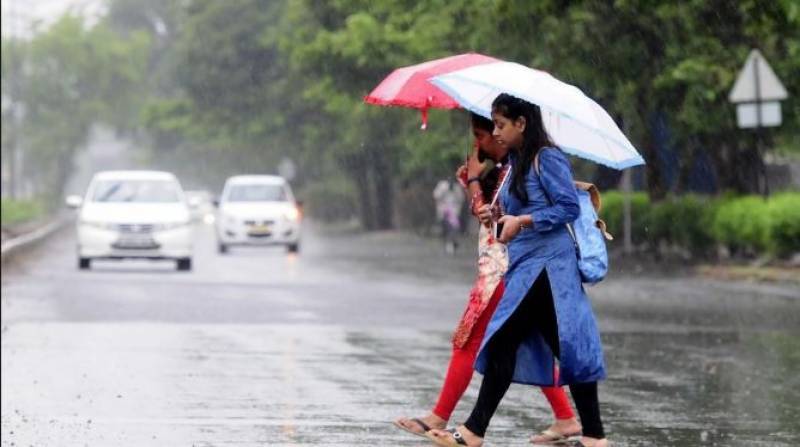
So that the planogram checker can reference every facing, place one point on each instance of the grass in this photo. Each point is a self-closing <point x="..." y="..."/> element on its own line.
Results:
<point x="15" y="212"/>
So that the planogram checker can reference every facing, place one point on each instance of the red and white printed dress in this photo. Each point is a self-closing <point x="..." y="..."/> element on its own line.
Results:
<point x="492" y="266"/>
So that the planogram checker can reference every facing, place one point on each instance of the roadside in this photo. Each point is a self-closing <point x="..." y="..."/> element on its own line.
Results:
<point x="20" y="238"/>
<point x="402" y="249"/>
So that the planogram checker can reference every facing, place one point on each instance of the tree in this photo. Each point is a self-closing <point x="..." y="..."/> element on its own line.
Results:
<point x="64" y="80"/>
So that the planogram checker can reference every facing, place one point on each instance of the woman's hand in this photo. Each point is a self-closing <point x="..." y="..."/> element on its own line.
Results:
<point x="485" y="214"/>
<point x="474" y="166"/>
<point x="512" y="225"/>
<point x="461" y="175"/>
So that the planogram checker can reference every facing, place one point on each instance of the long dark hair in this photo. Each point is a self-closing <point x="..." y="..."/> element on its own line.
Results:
<point x="489" y="181"/>
<point x="479" y="122"/>
<point x="534" y="137"/>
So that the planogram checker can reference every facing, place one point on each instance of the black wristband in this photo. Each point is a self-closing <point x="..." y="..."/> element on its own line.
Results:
<point x="473" y="179"/>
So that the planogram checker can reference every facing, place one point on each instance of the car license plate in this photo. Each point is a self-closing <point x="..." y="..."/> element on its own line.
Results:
<point x="260" y="230"/>
<point x="133" y="242"/>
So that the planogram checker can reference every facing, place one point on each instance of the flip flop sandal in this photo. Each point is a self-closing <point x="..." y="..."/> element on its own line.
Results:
<point x="554" y="438"/>
<point x="457" y="440"/>
<point x="577" y="443"/>
<point x="417" y="421"/>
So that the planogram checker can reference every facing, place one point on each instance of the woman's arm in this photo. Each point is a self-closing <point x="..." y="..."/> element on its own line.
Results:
<point x="556" y="178"/>
<point x="469" y="175"/>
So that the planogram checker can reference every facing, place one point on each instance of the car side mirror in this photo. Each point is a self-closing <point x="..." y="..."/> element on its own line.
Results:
<point x="215" y="202"/>
<point x="74" y="202"/>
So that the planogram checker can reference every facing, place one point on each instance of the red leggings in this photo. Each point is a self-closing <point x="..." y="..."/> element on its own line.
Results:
<point x="459" y="373"/>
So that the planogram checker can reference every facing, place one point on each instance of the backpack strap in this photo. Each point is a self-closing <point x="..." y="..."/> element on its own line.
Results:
<point x="570" y="230"/>
<point x="594" y="196"/>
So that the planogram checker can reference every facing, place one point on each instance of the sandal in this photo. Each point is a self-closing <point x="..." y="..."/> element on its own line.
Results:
<point x="456" y="441"/>
<point x="425" y="428"/>
<point x="554" y="438"/>
<point x="579" y="443"/>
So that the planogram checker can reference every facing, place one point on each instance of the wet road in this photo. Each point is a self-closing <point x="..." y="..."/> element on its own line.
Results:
<point x="262" y="348"/>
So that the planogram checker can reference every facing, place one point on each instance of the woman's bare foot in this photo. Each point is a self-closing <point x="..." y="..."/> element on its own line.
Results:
<point x="446" y="438"/>
<point x="594" y="442"/>
<point x="431" y="420"/>
<point x="559" y="430"/>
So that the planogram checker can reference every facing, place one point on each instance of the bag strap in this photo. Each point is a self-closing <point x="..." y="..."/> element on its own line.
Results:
<point x="570" y="230"/>
<point x="594" y="196"/>
<point x="505" y="171"/>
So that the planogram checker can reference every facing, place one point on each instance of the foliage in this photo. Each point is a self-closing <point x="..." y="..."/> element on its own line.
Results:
<point x="15" y="212"/>
<point x="746" y="225"/>
<point x="784" y="224"/>
<point x="683" y="222"/>
<point x="223" y="87"/>
<point x="331" y="200"/>
<point x="742" y="224"/>
<point x="612" y="213"/>
<point x="58" y="84"/>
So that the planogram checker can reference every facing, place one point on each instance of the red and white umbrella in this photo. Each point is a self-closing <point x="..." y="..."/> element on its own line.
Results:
<point x="409" y="86"/>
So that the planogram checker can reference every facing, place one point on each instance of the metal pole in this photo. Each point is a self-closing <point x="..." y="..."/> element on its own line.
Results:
<point x="759" y="132"/>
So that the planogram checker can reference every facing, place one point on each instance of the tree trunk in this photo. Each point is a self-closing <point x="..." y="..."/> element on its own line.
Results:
<point x="357" y="168"/>
<point x="384" y="191"/>
<point x="654" y="179"/>
<point x="653" y="176"/>
<point x="686" y="164"/>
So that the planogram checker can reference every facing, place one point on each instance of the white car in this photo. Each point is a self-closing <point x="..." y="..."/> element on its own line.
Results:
<point x="133" y="214"/>
<point x="258" y="210"/>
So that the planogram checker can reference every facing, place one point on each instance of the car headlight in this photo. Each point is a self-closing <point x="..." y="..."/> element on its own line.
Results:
<point x="291" y="214"/>
<point x="170" y="225"/>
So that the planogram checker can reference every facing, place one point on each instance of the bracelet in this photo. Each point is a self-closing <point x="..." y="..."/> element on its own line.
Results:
<point x="522" y="226"/>
<point x="473" y="179"/>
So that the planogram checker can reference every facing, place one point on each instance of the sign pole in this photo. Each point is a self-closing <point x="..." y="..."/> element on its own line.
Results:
<point x="762" y="167"/>
<point x="757" y="93"/>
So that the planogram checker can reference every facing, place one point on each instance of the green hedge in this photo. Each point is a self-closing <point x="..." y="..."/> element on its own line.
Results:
<point x="746" y="225"/>
<point x="611" y="213"/>
<point x="13" y="212"/>
<point x="783" y="237"/>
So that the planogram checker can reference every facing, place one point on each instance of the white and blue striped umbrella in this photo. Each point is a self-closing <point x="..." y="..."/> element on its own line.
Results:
<point x="575" y="122"/>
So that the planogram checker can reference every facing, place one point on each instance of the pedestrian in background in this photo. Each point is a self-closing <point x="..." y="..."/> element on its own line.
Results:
<point x="449" y="199"/>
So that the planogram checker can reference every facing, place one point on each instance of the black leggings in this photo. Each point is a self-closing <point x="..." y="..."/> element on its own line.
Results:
<point x="536" y="313"/>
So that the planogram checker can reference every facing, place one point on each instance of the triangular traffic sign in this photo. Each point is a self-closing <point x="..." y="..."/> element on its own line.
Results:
<point x="770" y="87"/>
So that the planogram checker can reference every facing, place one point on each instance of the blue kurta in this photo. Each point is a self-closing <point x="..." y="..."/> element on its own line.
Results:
<point x="548" y="246"/>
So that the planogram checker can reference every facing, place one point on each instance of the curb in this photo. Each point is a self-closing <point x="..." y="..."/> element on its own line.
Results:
<point x="19" y="244"/>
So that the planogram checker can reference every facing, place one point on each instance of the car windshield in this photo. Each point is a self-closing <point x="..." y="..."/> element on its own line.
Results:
<point x="257" y="193"/>
<point x="138" y="191"/>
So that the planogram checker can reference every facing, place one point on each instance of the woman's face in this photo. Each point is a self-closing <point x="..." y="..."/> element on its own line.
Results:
<point x="487" y="143"/>
<point x="508" y="132"/>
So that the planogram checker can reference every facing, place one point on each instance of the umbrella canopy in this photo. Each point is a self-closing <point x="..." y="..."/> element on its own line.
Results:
<point x="575" y="122"/>
<point x="409" y="86"/>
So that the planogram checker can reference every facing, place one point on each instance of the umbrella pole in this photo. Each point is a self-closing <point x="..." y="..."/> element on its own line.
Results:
<point x="626" y="210"/>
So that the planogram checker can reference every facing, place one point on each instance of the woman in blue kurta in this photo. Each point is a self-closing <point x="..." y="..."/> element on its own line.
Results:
<point x="544" y="313"/>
